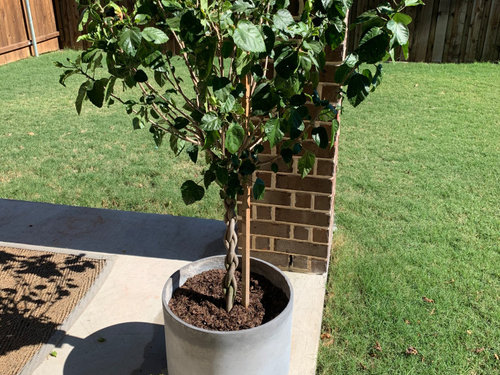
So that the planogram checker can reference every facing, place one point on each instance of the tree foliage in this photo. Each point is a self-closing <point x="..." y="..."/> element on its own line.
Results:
<point x="250" y="63"/>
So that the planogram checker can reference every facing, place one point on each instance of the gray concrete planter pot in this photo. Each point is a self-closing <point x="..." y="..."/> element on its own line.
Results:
<point x="263" y="350"/>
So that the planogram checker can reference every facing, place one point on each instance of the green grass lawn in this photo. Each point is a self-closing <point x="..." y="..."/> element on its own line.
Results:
<point x="417" y="205"/>
<point x="418" y="210"/>
<point x="51" y="154"/>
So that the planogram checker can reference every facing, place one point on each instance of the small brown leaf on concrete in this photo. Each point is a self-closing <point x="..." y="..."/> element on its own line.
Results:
<point x="411" y="351"/>
<point x="479" y="350"/>
<point x="377" y="346"/>
<point x="428" y="300"/>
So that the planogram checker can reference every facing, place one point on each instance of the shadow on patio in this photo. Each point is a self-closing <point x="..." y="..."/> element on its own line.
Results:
<point x="109" y="231"/>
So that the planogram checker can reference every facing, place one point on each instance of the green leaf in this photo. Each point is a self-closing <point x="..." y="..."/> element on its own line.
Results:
<point x="205" y="52"/>
<point x="306" y="163"/>
<point x="180" y="123"/>
<point x="129" y="40"/>
<point x="192" y="151"/>
<point x="96" y="94"/>
<point x="264" y="99"/>
<point x="344" y="71"/>
<point x="400" y="31"/>
<point x="159" y="79"/>
<point x="82" y="93"/>
<point x="110" y="88"/>
<point x="402" y="18"/>
<point x="137" y="123"/>
<point x="152" y="34"/>
<point x="282" y="19"/>
<point x="365" y="17"/>
<point x="269" y="38"/>
<point x="287" y="62"/>
<point x="320" y="136"/>
<point x="158" y="135"/>
<point x="358" y="89"/>
<point x="53" y="353"/>
<point x="258" y="189"/>
<point x="412" y="3"/>
<point x="65" y="75"/>
<point x="235" y="135"/>
<point x="191" y="28"/>
<point x="273" y="131"/>
<point x="227" y="48"/>
<point x="326" y="4"/>
<point x="241" y="6"/>
<point x="222" y="175"/>
<point x="208" y="178"/>
<point x="404" y="47"/>
<point x="210" y="121"/>
<point x="83" y="19"/>
<point x="140" y="76"/>
<point x="247" y="167"/>
<point x="373" y="46"/>
<point x="228" y="104"/>
<point x="286" y="155"/>
<point x="191" y="192"/>
<point x="176" y="144"/>
<point x="248" y="37"/>
<point x="334" y="130"/>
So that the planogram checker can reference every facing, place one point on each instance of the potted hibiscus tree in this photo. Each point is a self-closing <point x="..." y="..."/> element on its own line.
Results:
<point x="244" y="76"/>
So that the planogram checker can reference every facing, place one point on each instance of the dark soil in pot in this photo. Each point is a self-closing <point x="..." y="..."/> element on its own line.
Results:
<point x="200" y="302"/>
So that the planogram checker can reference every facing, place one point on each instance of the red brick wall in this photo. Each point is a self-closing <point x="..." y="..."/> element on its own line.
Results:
<point x="292" y="226"/>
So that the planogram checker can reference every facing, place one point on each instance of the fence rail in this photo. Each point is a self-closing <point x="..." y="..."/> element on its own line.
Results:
<point x="441" y="31"/>
<point x="16" y="41"/>
<point x="447" y="30"/>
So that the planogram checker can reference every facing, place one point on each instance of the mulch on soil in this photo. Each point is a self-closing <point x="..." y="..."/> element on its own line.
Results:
<point x="200" y="302"/>
<point x="38" y="290"/>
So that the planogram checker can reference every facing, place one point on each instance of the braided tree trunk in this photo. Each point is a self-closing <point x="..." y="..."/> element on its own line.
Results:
<point x="231" y="261"/>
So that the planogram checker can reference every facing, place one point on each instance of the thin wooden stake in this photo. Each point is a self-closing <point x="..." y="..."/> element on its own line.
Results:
<point x="245" y="261"/>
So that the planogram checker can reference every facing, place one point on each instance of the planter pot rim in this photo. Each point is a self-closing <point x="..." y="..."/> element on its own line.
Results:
<point x="253" y="330"/>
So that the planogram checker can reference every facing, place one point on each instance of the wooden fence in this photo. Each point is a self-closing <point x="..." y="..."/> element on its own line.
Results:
<point x="15" y="35"/>
<point x="447" y="30"/>
<point x="442" y="30"/>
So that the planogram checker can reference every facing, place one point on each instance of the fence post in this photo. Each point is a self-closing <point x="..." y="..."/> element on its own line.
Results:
<point x="32" y="29"/>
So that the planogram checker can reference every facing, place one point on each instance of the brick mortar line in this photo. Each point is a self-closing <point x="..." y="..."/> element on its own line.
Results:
<point x="287" y="254"/>
<point x="316" y="210"/>
<point x="286" y="223"/>
<point x="289" y="239"/>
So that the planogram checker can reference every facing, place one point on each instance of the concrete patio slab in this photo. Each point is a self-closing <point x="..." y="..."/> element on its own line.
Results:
<point x="120" y="331"/>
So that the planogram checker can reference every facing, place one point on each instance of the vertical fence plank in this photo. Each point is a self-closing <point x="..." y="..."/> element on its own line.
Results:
<point x="14" y="40"/>
<point x="467" y="30"/>
<point x="484" y="16"/>
<point x="491" y="49"/>
<point x="474" y="29"/>
<point x="424" y="18"/>
<point x="454" y="36"/>
<point x="440" y="33"/>
<point x="432" y="30"/>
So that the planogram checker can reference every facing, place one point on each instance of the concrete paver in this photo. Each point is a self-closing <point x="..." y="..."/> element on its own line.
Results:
<point x="126" y="311"/>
